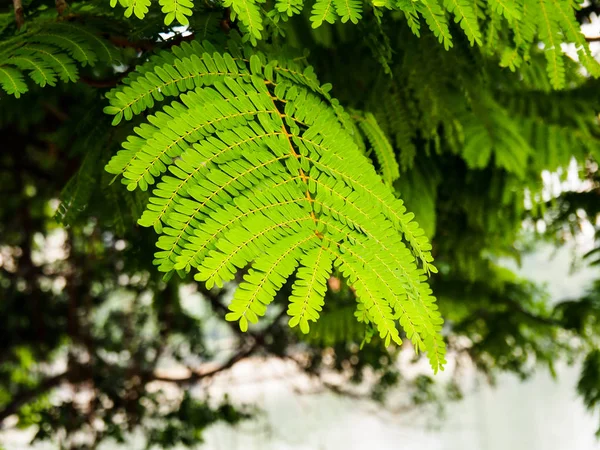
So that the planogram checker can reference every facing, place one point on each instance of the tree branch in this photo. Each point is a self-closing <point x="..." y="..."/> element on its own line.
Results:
<point x="196" y="376"/>
<point x="61" y="6"/>
<point x="258" y="340"/>
<point x="534" y="317"/>
<point x="24" y="397"/>
<point x="516" y="307"/>
<point x="19" y="13"/>
<point x="253" y="343"/>
<point x="102" y="84"/>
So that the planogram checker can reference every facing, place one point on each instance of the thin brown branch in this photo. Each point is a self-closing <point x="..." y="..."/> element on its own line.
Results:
<point x="123" y="42"/>
<point x="79" y="374"/>
<point x="60" y="115"/>
<point x="592" y="38"/>
<point x="147" y="45"/>
<point x="102" y="84"/>
<point x="257" y="341"/>
<point x="533" y="317"/>
<point x="516" y="308"/>
<point x="24" y="397"/>
<point x="198" y="375"/>
<point x="334" y="388"/>
<point x="19" y="13"/>
<point x="61" y="6"/>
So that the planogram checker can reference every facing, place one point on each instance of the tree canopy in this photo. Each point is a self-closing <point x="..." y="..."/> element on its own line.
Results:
<point x="340" y="178"/>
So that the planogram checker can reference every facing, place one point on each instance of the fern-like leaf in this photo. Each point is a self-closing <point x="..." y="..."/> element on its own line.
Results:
<point x="254" y="165"/>
<point x="510" y="9"/>
<point x="411" y="14"/>
<point x="465" y="15"/>
<point x="309" y="288"/>
<point x="550" y="33"/>
<point x="349" y="10"/>
<point x="381" y="146"/>
<point x="139" y="8"/>
<point x="250" y="16"/>
<point x="12" y="81"/>
<point x="40" y="72"/>
<point x="568" y="22"/>
<point x="51" y="51"/>
<point x="436" y="20"/>
<point x="77" y="47"/>
<point x="289" y="7"/>
<point x="323" y="11"/>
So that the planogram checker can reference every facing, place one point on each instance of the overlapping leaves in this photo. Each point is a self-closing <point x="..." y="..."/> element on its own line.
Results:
<point x="255" y="165"/>
<point x="48" y="53"/>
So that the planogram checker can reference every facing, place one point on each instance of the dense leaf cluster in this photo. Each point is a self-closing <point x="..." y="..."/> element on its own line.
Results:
<point x="283" y="153"/>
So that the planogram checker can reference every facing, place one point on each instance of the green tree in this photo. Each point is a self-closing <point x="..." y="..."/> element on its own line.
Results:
<point x="275" y="158"/>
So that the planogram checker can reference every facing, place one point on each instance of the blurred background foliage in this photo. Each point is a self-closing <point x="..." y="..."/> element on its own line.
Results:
<point x="88" y="326"/>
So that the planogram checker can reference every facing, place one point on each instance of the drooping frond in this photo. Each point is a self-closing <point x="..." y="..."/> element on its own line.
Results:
<point x="249" y="14"/>
<point x="323" y="11"/>
<point x="78" y="191"/>
<point x="381" y="146"/>
<point x="466" y="16"/>
<point x="289" y="7"/>
<point x="255" y="164"/>
<point x="510" y="9"/>
<point x="50" y="51"/>
<point x="349" y="10"/>
<point x="139" y="8"/>
<point x="309" y="289"/>
<point x="174" y="10"/>
<point x="490" y="131"/>
<point x="529" y="23"/>
<point x="411" y="14"/>
<point x="12" y="81"/>
<point x="435" y="17"/>
<point x="550" y="34"/>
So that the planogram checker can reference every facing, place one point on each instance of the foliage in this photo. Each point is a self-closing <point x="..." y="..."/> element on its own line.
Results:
<point x="265" y="172"/>
<point x="283" y="153"/>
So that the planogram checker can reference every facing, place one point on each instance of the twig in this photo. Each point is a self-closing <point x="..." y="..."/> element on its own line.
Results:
<point x="516" y="308"/>
<point x="19" y="13"/>
<point x="534" y="317"/>
<point x="103" y="84"/>
<point x="24" y="397"/>
<point x="196" y="376"/>
<point x="61" y="6"/>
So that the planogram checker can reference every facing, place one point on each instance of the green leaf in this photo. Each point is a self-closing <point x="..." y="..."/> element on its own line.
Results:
<point x="249" y="14"/>
<point x="238" y="183"/>
<point x="323" y="11"/>
<point x="309" y="288"/>
<point x="12" y="81"/>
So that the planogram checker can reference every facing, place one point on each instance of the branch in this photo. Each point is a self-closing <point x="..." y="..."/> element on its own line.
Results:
<point x="196" y="376"/>
<point x="148" y="45"/>
<point x="19" y="13"/>
<point x="24" y="397"/>
<point x="75" y="376"/>
<point x="61" y="6"/>
<point x="258" y="340"/>
<point x="534" y="317"/>
<point x="78" y="374"/>
<point x="102" y="84"/>
<point x="592" y="39"/>
<point x="142" y="45"/>
<point x="486" y="313"/>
